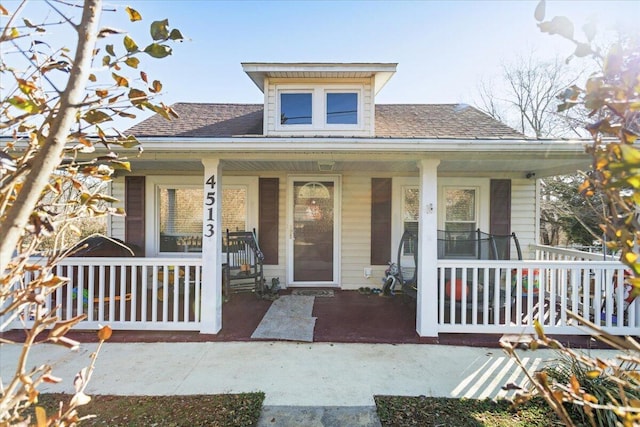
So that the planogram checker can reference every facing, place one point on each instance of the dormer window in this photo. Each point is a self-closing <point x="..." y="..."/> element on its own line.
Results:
<point x="342" y="108"/>
<point x="295" y="108"/>
<point x="319" y="107"/>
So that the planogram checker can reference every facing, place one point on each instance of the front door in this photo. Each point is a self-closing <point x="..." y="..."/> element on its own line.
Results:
<point x="313" y="231"/>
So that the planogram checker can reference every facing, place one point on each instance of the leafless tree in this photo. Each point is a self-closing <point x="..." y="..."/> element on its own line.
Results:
<point x="528" y="97"/>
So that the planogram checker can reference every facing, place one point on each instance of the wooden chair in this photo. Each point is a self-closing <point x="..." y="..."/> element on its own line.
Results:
<point x="243" y="270"/>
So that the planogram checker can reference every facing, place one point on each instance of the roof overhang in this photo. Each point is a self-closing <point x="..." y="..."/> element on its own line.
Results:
<point x="499" y="157"/>
<point x="458" y="157"/>
<point x="381" y="72"/>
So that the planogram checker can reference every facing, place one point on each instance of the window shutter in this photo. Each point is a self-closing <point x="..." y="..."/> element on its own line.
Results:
<point x="134" y="187"/>
<point x="269" y="191"/>
<point x="380" y="221"/>
<point x="500" y="207"/>
<point x="500" y="213"/>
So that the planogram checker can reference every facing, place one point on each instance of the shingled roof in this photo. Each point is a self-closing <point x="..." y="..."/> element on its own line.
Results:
<point x="392" y="121"/>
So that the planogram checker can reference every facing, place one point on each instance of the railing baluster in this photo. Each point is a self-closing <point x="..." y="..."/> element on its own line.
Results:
<point x="134" y="292"/>
<point x="176" y="292"/>
<point x="79" y="287"/>
<point x="198" y="290"/>
<point x="112" y="293"/>
<point x="144" y="294"/>
<point x="67" y="271"/>
<point x="123" y="294"/>
<point x="187" y="286"/>
<point x="165" y="295"/>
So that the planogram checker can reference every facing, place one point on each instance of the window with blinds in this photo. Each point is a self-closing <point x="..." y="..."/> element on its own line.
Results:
<point x="460" y="220"/>
<point x="180" y="219"/>
<point x="410" y="214"/>
<point x="234" y="208"/>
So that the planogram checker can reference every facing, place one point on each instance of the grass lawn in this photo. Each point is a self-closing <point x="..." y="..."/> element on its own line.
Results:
<point x="232" y="410"/>
<point x="444" y="412"/>
<point x="166" y="411"/>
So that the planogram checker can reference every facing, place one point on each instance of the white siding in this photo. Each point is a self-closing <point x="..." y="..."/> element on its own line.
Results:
<point x="115" y="224"/>
<point x="368" y="111"/>
<point x="523" y="214"/>
<point x="270" y="108"/>
<point x="356" y="226"/>
<point x="356" y="234"/>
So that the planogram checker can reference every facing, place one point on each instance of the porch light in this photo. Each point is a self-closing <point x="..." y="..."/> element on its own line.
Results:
<point x="326" y="165"/>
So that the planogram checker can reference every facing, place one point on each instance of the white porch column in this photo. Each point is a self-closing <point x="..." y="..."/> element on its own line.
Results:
<point x="211" y="299"/>
<point x="427" y="304"/>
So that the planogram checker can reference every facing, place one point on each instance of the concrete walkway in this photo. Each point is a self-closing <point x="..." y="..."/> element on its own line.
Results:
<point x="322" y="382"/>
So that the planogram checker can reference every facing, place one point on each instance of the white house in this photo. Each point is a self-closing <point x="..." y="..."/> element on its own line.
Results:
<point x="330" y="180"/>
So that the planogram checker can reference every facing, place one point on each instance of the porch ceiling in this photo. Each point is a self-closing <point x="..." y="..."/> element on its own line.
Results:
<point x="496" y="164"/>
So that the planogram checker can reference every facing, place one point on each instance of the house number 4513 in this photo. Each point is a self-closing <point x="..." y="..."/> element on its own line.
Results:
<point x="210" y="200"/>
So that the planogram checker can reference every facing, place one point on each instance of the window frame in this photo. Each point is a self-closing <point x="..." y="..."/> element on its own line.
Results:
<point x="476" y="207"/>
<point x="279" y="109"/>
<point x="328" y="125"/>
<point x="319" y="106"/>
<point x="152" y="209"/>
<point x="156" y="236"/>
<point x="481" y="185"/>
<point x="452" y="249"/>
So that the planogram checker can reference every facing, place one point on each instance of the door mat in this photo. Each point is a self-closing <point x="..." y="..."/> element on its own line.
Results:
<point x="289" y="318"/>
<point x="313" y="292"/>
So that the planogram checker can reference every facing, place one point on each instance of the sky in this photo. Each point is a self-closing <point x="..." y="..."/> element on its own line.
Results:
<point x="443" y="48"/>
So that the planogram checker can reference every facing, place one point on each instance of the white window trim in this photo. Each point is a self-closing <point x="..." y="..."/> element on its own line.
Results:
<point x="318" y="106"/>
<point x="337" y="230"/>
<point x="480" y="185"/>
<point x="297" y="126"/>
<point x="152" y="208"/>
<point x="341" y="126"/>
<point x="398" y="184"/>
<point x="251" y="184"/>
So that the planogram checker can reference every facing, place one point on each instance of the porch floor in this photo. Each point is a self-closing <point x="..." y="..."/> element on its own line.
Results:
<point x="347" y="317"/>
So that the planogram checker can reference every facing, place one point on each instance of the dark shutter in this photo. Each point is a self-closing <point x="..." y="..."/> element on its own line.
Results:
<point x="500" y="214"/>
<point x="269" y="191"/>
<point x="134" y="207"/>
<point x="500" y="208"/>
<point x="380" y="221"/>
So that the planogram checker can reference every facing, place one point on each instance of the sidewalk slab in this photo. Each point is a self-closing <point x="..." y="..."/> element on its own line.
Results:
<point x="290" y="374"/>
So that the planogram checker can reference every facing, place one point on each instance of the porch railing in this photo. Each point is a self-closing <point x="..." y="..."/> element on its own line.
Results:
<point x="544" y="252"/>
<point x="506" y="296"/>
<point x="128" y="293"/>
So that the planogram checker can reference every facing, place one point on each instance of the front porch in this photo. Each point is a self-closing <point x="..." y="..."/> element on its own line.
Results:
<point x="500" y="297"/>
<point x="348" y="317"/>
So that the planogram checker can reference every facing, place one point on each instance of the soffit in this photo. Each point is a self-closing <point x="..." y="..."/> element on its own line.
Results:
<point x="381" y="72"/>
<point x="498" y="165"/>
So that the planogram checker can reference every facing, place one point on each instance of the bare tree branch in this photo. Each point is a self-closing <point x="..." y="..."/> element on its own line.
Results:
<point x="49" y="157"/>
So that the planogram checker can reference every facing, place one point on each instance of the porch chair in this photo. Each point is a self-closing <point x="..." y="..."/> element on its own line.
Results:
<point x="243" y="270"/>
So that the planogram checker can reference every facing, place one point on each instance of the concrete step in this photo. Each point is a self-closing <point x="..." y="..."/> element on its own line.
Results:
<point x="319" y="416"/>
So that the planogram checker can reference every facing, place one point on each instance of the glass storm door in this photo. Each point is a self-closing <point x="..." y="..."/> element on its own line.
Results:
<point x="313" y="231"/>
